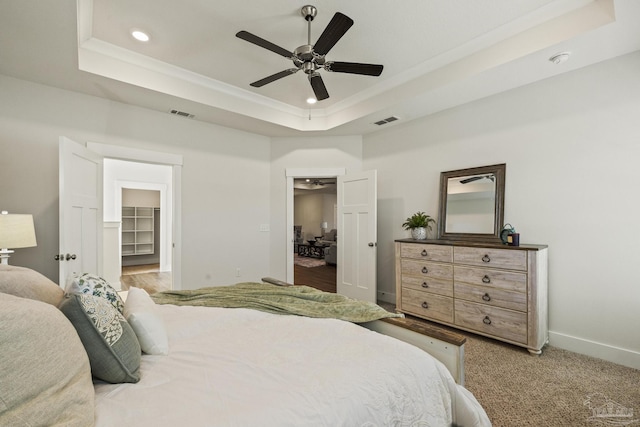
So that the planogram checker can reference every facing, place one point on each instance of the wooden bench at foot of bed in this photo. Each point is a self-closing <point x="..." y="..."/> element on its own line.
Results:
<point x="443" y="344"/>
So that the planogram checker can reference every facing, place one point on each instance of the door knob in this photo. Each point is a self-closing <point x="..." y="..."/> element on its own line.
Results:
<point x="371" y="244"/>
<point x="70" y="256"/>
<point x="59" y="257"/>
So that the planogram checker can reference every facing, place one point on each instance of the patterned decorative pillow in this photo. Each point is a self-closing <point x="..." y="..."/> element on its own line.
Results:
<point x="91" y="284"/>
<point x="110" y="342"/>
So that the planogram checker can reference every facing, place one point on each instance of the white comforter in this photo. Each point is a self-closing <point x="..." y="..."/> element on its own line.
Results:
<point x="239" y="367"/>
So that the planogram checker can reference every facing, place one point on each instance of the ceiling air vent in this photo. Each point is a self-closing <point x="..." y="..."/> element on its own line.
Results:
<point x="182" y="114"/>
<point x="385" y="121"/>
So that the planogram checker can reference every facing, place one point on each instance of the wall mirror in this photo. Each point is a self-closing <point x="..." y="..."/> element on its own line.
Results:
<point x="472" y="204"/>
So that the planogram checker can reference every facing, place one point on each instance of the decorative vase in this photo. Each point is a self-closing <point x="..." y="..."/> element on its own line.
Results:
<point x="419" y="233"/>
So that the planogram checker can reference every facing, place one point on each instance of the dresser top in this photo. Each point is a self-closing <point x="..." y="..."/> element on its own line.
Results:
<point x="469" y="243"/>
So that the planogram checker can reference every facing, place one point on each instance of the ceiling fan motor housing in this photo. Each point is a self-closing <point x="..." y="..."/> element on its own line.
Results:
<point x="309" y="12"/>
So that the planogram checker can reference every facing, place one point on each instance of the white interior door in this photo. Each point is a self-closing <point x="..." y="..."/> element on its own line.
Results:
<point x="357" y="236"/>
<point x="80" y="207"/>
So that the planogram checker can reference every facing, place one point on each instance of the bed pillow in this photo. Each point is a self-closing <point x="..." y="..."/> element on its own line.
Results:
<point x="26" y="283"/>
<point x="140" y="311"/>
<point x="45" y="378"/>
<point x="89" y="283"/>
<point x="111" y="344"/>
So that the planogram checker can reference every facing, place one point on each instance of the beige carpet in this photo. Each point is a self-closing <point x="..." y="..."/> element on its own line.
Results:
<point x="558" y="388"/>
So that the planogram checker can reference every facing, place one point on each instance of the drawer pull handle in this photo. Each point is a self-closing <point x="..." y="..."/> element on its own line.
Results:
<point x="486" y="320"/>
<point x="425" y="270"/>
<point x="486" y="297"/>
<point x="486" y="258"/>
<point x="424" y="252"/>
<point x="425" y="305"/>
<point x="425" y="285"/>
<point x="486" y="279"/>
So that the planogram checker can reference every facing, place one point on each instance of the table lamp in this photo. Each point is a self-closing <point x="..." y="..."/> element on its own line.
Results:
<point x="16" y="231"/>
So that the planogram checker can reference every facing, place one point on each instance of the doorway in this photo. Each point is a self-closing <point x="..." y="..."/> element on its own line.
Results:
<point x="291" y="175"/>
<point x="315" y="232"/>
<point x="145" y="170"/>
<point x="141" y="237"/>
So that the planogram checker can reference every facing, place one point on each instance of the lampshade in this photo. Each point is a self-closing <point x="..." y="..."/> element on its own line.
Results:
<point x="324" y="225"/>
<point x="17" y="231"/>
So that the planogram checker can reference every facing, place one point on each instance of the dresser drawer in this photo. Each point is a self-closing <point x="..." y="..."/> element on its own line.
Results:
<point x="429" y="284"/>
<point x="508" y="324"/>
<point x="423" y="269"/>
<point x="427" y="252"/>
<point x="427" y="305"/>
<point x="496" y="258"/>
<point x="508" y="280"/>
<point x="491" y="296"/>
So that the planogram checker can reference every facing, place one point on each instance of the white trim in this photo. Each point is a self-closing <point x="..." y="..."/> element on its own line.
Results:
<point x="315" y="172"/>
<point x="290" y="175"/>
<point x="389" y="297"/>
<point x="607" y="352"/>
<point x="175" y="160"/>
<point x="134" y="154"/>
<point x="112" y="265"/>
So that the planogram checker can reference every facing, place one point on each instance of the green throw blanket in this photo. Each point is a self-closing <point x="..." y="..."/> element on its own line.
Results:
<point x="298" y="300"/>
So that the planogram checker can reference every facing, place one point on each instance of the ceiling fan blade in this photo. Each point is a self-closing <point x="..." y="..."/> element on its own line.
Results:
<point x="274" y="77"/>
<point x="251" y="38"/>
<point x="470" y="179"/>
<point x="337" y="27"/>
<point x="354" y="68"/>
<point x="318" y="86"/>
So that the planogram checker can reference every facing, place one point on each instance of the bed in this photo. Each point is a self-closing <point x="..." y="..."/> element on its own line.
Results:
<point x="219" y="367"/>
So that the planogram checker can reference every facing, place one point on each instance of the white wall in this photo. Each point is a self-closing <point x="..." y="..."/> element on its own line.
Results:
<point x="571" y="145"/>
<point x="307" y="212"/>
<point x="147" y="198"/>
<point x="572" y="149"/>
<point x="311" y="210"/>
<point x="303" y="153"/>
<point x="225" y="179"/>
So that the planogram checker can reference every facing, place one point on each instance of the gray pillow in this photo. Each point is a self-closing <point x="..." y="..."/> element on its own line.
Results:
<point x="112" y="346"/>
<point x="45" y="378"/>
<point x="26" y="283"/>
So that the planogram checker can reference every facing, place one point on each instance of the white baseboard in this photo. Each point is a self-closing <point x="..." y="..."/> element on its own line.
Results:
<point x="387" y="297"/>
<point x="606" y="352"/>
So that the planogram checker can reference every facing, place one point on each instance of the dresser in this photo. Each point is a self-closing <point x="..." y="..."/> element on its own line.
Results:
<point x="493" y="290"/>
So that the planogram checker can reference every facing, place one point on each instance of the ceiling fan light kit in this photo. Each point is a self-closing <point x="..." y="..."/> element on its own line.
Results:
<point x="311" y="58"/>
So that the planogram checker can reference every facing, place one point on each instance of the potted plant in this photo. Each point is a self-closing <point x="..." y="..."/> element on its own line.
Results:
<point x="418" y="223"/>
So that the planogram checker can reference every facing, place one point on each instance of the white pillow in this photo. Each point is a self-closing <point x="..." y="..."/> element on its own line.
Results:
<point x="140" y="312"/>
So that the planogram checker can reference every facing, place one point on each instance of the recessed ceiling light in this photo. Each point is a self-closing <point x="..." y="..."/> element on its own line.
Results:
<point x="140" y="35"/>
<point x="311" y="100"/>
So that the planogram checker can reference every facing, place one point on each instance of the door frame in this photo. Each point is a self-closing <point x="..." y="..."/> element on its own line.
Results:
<point x="154" y="157"/>
<point x="291" y="174"/>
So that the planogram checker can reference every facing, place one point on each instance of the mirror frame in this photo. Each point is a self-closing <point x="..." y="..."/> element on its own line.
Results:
<point x="499" y="172"/>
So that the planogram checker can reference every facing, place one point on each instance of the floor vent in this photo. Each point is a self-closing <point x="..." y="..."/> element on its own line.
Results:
<point x="385" y="121"/>
<point x="182" y="114"/>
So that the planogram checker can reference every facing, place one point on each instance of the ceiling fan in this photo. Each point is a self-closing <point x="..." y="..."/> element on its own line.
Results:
<point x="311" y="58"/>
<point x="320" y="182"/>
<point x="490" y="177"/>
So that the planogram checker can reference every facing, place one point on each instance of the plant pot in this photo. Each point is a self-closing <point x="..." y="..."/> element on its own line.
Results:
<point x="419" y="233"/>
